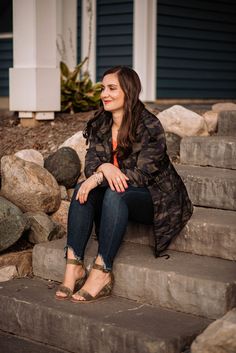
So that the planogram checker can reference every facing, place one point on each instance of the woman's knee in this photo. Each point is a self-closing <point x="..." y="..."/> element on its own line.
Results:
<point x="111" y="197"/>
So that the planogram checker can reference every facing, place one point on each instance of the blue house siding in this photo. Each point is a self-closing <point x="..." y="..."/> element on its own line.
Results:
<point x="196" y="49"/>
<point x="79" y="17"/>
<point x="6" y="61"/>
<point x="114" y="34"/>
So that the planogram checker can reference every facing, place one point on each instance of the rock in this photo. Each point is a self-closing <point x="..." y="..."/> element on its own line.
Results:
<point x="7" y="208"/>
<point x="65" y="166"/>
<point x="29" y="186"/>
<point x="22" y="260"/>
<point x="61" y="215"/>
<point x="43" y="228"/>
<point x="7" y="273"/>
<point x="70" y="193"/>
<point x="182" y="122"/>
<point x="12" y="223"/>
<point x="211" y="119"/>
<point x="219" y="337"/>
<point x="77" y="142"/>
<point x="219" y="107"/>
<point x="64" y="195"/>
<point x="31" y="155"/>
<point x="173" y="145"/>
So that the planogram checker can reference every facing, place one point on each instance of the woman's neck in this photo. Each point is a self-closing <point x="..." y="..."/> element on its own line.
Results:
<point x="117" y="119"/>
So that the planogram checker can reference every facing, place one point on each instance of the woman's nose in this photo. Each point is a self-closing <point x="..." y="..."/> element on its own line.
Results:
<point x="104" y="93"/>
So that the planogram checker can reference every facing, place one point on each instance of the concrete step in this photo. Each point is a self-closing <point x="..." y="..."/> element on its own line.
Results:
<point x="188" y="283"/>
<point x="11" y="343"/>
<point x="214" y="151"/>
<point x="210" y="187"/>
<point x="28" y="309"/>
<point x="227" y="123"/>
<point x="209" y="232"/>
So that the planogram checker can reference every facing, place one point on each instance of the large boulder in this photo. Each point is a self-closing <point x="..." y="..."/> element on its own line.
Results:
<point x="78" y="143"/>
<point x="12" y="223"/>
<point x="31" y="155"/>
<point x="219" y="337"/>
<point x="211" y="119"/>
<point x="29" y="186"/>
<point x="182" y="122"/>
<point x="65" y="166"/>
<point x="43" y="228"/>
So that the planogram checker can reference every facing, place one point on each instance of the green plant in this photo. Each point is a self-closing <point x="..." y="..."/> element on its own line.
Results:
<point x="78" y="93"/>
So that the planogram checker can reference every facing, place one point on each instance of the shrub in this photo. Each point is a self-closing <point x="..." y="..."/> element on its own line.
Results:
<point x="78" y="93"/>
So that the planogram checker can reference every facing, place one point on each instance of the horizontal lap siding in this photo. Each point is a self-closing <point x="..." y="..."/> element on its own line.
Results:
<point x="114" y="34"/>
<point x="6" y="61"/>
<point x="196" y="49"/>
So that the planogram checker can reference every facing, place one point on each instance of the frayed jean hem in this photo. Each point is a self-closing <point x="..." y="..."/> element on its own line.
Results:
<point x="78" y="258"/>
<point x="106" y="268"/>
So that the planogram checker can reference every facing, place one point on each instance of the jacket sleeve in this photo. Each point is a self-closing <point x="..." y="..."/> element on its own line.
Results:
<point x="92" y="160"/>
<point x="151" y="156"/>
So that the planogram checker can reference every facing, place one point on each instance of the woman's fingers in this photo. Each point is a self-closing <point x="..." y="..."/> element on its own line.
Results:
<point x="81" y="195"/>
<point x="85" y="188"/>
<point x="120" y="183"/>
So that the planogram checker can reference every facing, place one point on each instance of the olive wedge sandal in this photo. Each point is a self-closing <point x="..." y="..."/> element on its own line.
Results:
<point x="78" y="283"/>
<point x="105" y="292"/>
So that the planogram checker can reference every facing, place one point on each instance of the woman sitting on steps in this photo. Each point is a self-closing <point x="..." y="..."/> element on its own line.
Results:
<point x="128" y="177"/>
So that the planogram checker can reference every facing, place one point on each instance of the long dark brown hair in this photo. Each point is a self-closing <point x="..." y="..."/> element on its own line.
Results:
<point x="130" y="84"/>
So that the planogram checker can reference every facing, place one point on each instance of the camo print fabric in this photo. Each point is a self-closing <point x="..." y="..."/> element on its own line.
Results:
<point x="147" y="165"/>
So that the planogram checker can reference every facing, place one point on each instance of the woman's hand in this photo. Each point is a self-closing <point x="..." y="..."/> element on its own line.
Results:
<point x="85" y="188"/>
<point x="116" y="179"/>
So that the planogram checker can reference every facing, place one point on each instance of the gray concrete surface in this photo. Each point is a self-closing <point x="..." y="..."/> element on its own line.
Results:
<point x="210" y="187"/>
<point x="10" y="343"/>
<point x="214" y="151"/>
<point x="188" y="283"/>
<point x="210" y="232"/>
<point x="227" y="123"/>
<point x="114" y="325"/>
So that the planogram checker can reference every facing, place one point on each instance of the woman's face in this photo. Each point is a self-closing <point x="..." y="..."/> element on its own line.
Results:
<point x="112" y="95"/>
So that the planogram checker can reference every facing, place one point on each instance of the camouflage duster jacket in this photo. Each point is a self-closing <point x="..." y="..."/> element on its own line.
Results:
<point x="147" y="165"/>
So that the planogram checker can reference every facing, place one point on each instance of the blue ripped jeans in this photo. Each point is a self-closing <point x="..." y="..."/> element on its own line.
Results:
<point x="110" y="211"/>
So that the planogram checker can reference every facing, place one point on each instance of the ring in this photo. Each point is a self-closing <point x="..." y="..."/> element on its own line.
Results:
<point x="117" y="178"/>
<point x="82" y="192"/>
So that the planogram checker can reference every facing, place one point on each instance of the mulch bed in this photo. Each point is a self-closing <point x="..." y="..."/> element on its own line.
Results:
<point x="46" y="137"/>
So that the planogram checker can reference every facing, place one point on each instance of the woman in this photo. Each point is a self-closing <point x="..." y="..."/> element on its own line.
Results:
<point x="128" y="176"/>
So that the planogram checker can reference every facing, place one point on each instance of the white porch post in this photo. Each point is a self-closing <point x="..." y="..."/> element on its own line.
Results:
<point x="89" y="35"/>
<point x="67" y="32"/>
<point x="35" y="77"/>
<point x="144" y="49"/>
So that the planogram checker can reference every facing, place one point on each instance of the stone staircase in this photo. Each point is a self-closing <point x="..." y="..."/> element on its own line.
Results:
<point x="159" y="305"/>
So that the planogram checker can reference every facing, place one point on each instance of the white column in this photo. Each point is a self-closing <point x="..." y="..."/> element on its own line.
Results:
<point x="67" y="32"/>
<point x="89" y="36"/>
<point x="144" y="47"/>
<point x="35" y="77"/>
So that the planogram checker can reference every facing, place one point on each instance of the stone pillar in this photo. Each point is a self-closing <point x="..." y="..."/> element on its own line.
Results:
<point x="35" y="77"/>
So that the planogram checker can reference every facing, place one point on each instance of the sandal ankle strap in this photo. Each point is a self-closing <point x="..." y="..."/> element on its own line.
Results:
<point x="74" y="262"/>
<point x="99" y="267"/>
